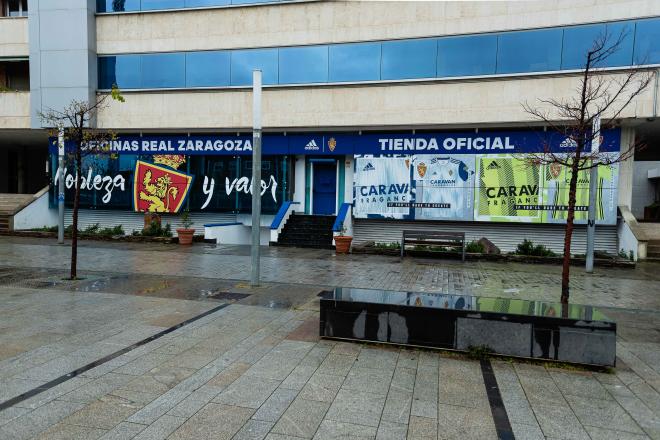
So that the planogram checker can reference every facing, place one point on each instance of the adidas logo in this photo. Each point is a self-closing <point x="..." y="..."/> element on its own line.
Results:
<point x="493" y="166"/>
<point x="368" y="167"/>
<point x="311" y="145"/>
<point x="569" y="142"/>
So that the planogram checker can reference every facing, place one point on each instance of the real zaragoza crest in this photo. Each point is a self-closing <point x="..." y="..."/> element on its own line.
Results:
<point x="332" y="144"/>
<point x="421" y="169"/>
<point x="160" y="189"/>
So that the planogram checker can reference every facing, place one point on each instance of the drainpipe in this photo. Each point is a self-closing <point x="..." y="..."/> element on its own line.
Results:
<point x="655" y="94"/>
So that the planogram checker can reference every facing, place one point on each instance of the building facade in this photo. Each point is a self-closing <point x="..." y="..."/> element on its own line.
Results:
<point x="410" y="112"/>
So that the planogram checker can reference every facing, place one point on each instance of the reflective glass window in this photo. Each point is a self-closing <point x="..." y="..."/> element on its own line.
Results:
<point x="469" y="55"/>
<point x="577" y="42"/>
<point x="161" y="4"/>
<point x="199" y="3"/>
<point x="647" y="42"/>
<point x="409" y="59"/>
<point x="207" y="69"/>
<point x="117" y="5"/>
<point x="123" y="70"/>
<point x="529" y="51"/>
<point x="625" y="31"/>
<point x="355" y="62"/>
<point x="163" y="70"/>
<point x="244" y="2"/>
<point x="243" y="62"/>
<point x="303" y="65"/>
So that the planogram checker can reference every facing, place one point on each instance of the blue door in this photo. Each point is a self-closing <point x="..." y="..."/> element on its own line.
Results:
<point x="325" y="188"/>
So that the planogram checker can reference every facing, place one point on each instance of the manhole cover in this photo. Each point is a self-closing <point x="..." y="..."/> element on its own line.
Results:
<point x="229" y="296"/>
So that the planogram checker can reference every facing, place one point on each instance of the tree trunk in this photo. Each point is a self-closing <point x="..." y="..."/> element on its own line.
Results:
<point x="74" y="223"/>
<point x="566" y="267"/>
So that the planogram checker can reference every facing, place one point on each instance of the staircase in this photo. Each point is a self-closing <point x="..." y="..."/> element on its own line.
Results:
<point x="10" y="204"/>
<point x="307" y="231"/>
<point x="651" y="231"/>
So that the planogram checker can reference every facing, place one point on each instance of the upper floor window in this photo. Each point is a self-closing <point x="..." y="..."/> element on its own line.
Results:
<point x="536" y="50"/>
<point x="150" y="5"/>
<point x="14" y="8"/>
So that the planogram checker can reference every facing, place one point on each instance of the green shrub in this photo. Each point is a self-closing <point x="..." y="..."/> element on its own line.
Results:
<point x="527" y="247"/>
<point x="92" y="229"/>
<point x="155" y="229"/>
<point x="111" y="232"/>
<point x="474" y="247"/>
<point x="392" y="245"/>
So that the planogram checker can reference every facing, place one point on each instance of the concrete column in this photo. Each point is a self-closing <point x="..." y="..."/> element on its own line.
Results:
<point x="63" y="64"/>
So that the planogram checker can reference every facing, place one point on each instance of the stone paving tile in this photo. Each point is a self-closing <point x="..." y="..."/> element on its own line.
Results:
<point x="397" y="407"/>
<point x="161" y="428"/>
<point x="277" y="403"/>
<point x="579" y="384"/>
<point x="403" y="379"/>
<point x="330" y="429"/>
<point x="32" y="423"/>
<point x="299" y="377"/>
<point x="604" y="434"/>
<point x="205" y="423"/>
<point x="357" y="407"/>
<point x="301" y="419"/>
<point x="123" y="431"/>
<point x="248" y="392"/>
<point x="457" y="422"/>
<point x="606" y="414"/>
<point x="254" y="430"/>
<point x="154" y="410"/>
<point x="62" y="431"/>
<point x="144" y="364"/>
<point x="559" y="421"/>
<point x="377" y="358"/>
<point x="456" y="391"/>
<point x="527" y="432"/>
<point x="322" y="387"/>
<point x="97" y="388"/>
<point x="230" y="374"/>
<point x="9" y="414"/>
<point x="273" y="436"/>
<point x="337" y="364"/>
<point x="422" y="428"/>
<point x="54" y="393"/>
<point x="368" y="379"/>
<point x="391" y="431"/>
<point x="105" y="413"/>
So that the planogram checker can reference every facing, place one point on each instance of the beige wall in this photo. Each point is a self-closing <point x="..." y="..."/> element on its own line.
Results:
<point x="338" y="21"/>
<point x="14" y="110"/>
<point x="441" y="103"/>
<point x="14" y="37"/>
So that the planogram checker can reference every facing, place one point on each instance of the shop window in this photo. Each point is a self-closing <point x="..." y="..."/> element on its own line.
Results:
<point x="243" y="62"/>
<point x="163" y="70"/>
<point x="647" y="49"/>
<point x="465" y="56"/>
<point x="207" y="69"/>
<point x="409" y="59"/>
<point x="354" y="62"/>
<point x="122" y="70"/>
<point x="307" y="64"/>
<point x="529" y="51"/>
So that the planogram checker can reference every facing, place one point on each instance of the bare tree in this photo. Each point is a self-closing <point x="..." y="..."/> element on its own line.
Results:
<point x="76" y="119"/>
<point x="602" y="95"/>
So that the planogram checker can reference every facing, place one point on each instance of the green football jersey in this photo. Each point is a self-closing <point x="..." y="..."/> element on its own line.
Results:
<point x="557" y="182"/>
<point x="506" y="185"/>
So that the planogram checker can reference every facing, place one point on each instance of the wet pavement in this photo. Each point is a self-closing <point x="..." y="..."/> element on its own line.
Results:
<point x="256" y="369"/>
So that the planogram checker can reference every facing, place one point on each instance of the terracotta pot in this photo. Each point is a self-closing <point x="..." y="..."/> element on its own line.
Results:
<point x="342" y="244"/>
<point x="185" y="236"/>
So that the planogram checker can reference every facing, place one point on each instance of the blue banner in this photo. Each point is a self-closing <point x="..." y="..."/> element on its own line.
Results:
<point x="487" y="142"/>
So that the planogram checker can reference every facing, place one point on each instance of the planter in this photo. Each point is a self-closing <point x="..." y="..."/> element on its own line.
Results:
<point x="185" y="236"/>
<point x="342" y="244"/>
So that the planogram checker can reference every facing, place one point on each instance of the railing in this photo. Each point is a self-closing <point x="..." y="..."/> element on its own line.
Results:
<point x="341" y="217"/>
<point x="280" y="219"/>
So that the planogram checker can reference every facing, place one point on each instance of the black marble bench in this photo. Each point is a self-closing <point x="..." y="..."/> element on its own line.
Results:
<point x="512" y="327"/>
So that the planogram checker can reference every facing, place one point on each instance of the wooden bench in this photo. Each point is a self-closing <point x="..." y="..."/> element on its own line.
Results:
<point x="434" y="238"/>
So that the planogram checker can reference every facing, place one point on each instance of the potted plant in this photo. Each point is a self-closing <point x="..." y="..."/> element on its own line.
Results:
<point x="343" y="242"/>
<point x="186" y="234"/>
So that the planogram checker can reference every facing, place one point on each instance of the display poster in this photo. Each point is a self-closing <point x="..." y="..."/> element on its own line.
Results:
<point x="172" y="183"/>
<point x="493" y="188"/>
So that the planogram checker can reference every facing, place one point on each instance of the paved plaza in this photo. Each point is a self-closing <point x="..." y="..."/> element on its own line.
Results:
<point x="247" y="363"/>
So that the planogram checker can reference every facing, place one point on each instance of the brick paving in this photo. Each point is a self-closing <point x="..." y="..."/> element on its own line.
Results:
<point x="256" y="369"/>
